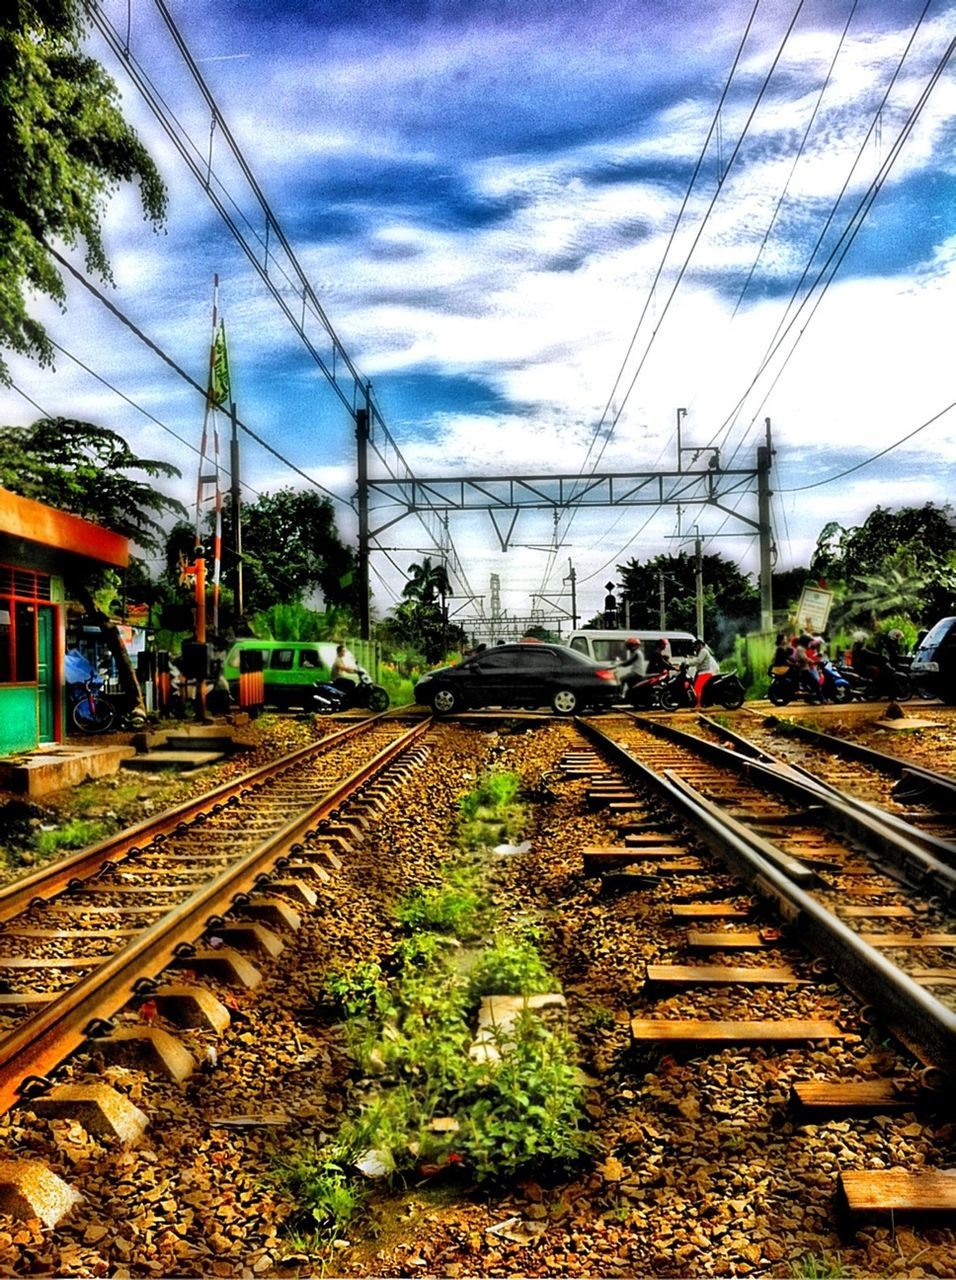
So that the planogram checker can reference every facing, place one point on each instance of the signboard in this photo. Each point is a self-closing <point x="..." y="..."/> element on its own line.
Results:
<point x="814" y="609"/>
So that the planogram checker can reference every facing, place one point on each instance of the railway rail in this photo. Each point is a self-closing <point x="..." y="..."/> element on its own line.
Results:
<point x="83" y="936"/>
<point x="861" y="888"/>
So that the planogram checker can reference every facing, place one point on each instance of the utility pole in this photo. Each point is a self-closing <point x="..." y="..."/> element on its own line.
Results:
<point x="661" y="605"/>
<point x="362" y="439"/>
<point x="764" y="531"/>
<point x="699" y="583"/>
<point x="573" y="579"/>
<point x="236" y="494"/>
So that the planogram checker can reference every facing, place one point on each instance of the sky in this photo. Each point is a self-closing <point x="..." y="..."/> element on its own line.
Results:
<point x="536" y="237"/>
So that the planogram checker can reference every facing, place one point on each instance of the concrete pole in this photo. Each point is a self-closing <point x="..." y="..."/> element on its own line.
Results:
<point x="235" y="488"/>
<point x="765" y="531"/>
<point x="362" y="438"/>
<point x="661" y="603"/>
<point x="699" y="584"/>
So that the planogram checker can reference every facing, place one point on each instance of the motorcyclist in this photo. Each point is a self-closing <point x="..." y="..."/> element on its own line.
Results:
<point x="345" y="672"/>
<point x="871" y="665"/>
<point x="658" y="662"/>
<point x="633" y="666"/>
<point x="701" y="667"/>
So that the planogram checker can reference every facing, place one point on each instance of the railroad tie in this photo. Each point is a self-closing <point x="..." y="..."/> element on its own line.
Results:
<point x="718" y="975"/>
<point x="897" y="1191"/>
<point x="725" y="939"/>
<point x="720" y="1034"/>
<point x="856" y="1097"/>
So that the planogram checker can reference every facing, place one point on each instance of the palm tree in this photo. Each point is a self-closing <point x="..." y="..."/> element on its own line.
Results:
<point x="426" y="582"/>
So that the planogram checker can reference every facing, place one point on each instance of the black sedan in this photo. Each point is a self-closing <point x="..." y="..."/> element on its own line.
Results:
<point x="520" y="675"/>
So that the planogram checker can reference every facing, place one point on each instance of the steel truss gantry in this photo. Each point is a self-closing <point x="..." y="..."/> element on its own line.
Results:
<point x="505" y="497"/>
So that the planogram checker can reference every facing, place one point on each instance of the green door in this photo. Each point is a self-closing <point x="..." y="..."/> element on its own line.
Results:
<point x="46" y="673"/>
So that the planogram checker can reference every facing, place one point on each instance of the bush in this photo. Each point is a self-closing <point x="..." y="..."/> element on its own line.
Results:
<point x="327" y="1198"/>
<point x="511" y="966"/>
<point x="447" y="910"/>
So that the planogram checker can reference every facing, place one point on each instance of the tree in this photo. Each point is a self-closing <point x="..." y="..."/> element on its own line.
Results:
<point x="65" y="147"/>
<point x="82" y="468"/>
<point x="731" y="601"/>
<point x="900" y="561"/>
<point x="291" y="547"/>
<point x="426" y="582"/>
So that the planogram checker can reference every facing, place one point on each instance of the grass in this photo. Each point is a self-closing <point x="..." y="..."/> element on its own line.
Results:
<point x="77" y="833"/>
<point x="512" y="966"/>
<point x="326" y="1196"/>
<point x="811" y="1267"/>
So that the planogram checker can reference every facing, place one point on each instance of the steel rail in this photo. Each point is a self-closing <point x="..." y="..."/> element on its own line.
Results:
<point x="941" y="786"/>
<point x="45" y="1039"/>
<point x="915" y="1016"/>
<point x="920" y="858"/>
<point x="51" y="880"/>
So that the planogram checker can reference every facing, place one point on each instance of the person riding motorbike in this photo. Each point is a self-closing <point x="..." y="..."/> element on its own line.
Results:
<point x="872" y="666"/>
<point x="701" y="667"/>
<point x="345" y="672"/>
<point x="633" y="666"/>
<point x="658" y="662"/>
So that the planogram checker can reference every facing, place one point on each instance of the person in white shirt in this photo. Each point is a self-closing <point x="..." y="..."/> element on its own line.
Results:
<point x="633" y="666"/>
<point x="344" y="669"/>
<point x="704" y="667"/>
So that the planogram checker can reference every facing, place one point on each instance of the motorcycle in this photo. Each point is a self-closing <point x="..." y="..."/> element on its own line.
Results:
<point x="834" y="687"/>
<point x="645" y="695"/>
<point x="725" y="688"/>
<point x="327" y="699"/>
<point x="871" y="686"/>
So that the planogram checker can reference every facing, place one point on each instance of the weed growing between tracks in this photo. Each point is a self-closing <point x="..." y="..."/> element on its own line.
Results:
<point x="428" y="1108"/>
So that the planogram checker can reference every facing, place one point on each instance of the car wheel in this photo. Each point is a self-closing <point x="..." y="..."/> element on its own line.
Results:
<point x="444" y="701"/>
<point x="564" y="702"/>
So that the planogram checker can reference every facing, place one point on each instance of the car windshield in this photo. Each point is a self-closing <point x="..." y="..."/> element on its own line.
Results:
<point x="935" y="637"/>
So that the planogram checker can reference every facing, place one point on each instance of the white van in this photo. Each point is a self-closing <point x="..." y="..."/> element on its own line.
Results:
<point x="608" y="646"/>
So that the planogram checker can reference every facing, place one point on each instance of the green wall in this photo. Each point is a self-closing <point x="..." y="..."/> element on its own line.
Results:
<point x="18" y="718"/>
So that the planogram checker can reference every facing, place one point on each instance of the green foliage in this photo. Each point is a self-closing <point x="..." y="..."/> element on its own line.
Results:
<point x="731" y="601"/>
<point x="75" y="834"/>
<point x="327" y="1197"/>
<point x="528" y="1115"/>
<point x="446" y="909"/>
<point x="811" y="1267"/>
<point x="294" y="621"/>
<point x="400" y="689"/>
<point x="490" y="814"/>
<point x="511" y="966"/>
<point x="82" y="468"/>
<point x="65" y="148"/>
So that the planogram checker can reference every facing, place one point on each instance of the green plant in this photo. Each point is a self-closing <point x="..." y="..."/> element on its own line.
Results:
<point x="446" y="909"/>
<point x="811" y="1267"/>
<point x="327" y="1199"/>
<point x="527" y="1112"/>
<point x="512" y="966"/>
<point x="75" y="834"/>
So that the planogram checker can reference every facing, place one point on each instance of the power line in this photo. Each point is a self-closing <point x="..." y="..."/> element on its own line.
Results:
<point x="203" y="173"/>
<point x="29" y="399"/>
<point x="549" y="566"/>
<point x="187" y="377"/>
<point x="784" y="327"/>
<point x="873" y="458"/>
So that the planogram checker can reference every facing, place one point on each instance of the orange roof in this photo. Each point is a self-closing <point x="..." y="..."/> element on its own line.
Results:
<point x="36" y="522"/>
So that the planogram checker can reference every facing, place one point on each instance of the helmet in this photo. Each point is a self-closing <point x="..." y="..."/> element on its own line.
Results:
<point x="662" y="643"/>
<point x="632" y="643"/>
<point x="895" y="634"/>
<point x="859" y="637"/>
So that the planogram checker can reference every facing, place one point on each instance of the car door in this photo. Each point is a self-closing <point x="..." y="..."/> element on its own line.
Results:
<point x="493" y="681"/>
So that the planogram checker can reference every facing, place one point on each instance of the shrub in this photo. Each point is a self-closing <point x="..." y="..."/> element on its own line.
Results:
<point x="511" y="966"/>
<point x="447" y="910"/>
<point x="327" y="1198"/>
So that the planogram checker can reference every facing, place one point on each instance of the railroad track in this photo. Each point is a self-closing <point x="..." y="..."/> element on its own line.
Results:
<point x="81" y="938"/>
<point x="833" y="905"/>
<point x="873" y="896"/>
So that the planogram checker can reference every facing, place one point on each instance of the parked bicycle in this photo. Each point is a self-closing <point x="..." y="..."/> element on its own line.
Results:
<point x="90" y="709"/>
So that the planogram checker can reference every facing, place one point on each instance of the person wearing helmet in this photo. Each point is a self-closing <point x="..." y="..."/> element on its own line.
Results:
<point x="702" y="667"/>
<point x="893" y="646"/>
<point x="633" y="666"/>
<point x="659" y="660"/>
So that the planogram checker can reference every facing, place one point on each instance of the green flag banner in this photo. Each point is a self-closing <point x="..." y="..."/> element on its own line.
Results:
<point x="219" y="368"/>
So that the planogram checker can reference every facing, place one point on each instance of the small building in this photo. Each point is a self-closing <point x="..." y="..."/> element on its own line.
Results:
<point x="39" y="548"/>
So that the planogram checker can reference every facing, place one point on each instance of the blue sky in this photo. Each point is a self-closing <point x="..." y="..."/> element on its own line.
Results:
<point x="482" y="193"/>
